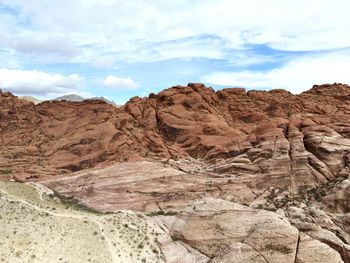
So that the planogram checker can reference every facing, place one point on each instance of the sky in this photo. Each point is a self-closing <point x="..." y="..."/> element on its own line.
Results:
<point x="119" y="49"/>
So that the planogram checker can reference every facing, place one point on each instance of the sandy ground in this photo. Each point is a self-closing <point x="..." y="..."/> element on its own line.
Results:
<point x="36" y="227"/>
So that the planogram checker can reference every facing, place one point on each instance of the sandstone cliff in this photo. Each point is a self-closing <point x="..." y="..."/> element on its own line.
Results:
<point x="283" y="139"/>
<point x="231" y="176"/>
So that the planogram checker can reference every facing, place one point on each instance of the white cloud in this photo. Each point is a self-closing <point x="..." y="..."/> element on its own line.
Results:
<point x="109" y="26"/>
<point x="40" y="44"/>
<point x="39" y="83"/>
<point x="296" y="75"/>
<point x="105" y="34"/>
<point x="120" y="83"/>
<point x="39" y="47"/>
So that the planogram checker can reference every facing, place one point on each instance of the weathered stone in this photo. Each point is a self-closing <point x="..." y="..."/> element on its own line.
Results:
<point x="313" y="251"/>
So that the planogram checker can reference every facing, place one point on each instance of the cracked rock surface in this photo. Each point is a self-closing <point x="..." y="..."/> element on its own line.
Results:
<point x="207" y="176"/>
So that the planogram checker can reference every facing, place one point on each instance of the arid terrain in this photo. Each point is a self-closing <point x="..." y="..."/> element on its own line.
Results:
<point x="186" y="175"/>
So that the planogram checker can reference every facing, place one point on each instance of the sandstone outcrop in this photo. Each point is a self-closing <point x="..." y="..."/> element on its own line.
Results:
<point x="229" y="232"/>
<point x="283" y="139"/>
<point x="313" y="251"/>
<point x="204" y="165"/>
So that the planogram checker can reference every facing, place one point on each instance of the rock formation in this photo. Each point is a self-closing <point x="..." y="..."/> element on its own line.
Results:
<point x="231" y="175"/>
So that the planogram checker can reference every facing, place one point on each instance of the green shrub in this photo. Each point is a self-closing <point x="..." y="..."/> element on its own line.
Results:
<point x="171" y="213"/>
<point x="70" y="202"/>
<point x="140" y="246"/>
<point x="175" y="238"/>
<point x="156" y="213"/>
<point x="162" y="213"/>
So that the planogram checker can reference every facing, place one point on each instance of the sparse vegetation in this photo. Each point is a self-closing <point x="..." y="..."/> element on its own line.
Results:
<point x="5" y="171"/>
<point x="260" y="206"/>
<point x="140" y="246"/>
<point x="317" y="193"/>
<point x="72" y="203"/>
<point x="175" y="238"/>
<point x="162" y="213"/>
<point x="132" y="238"/>
<point x="272" y="209"/>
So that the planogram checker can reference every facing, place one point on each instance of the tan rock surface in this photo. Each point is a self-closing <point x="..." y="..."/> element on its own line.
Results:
<point x="145" y="186"/>
<point x="218" y="228"/>
<point x="313" y="251"/>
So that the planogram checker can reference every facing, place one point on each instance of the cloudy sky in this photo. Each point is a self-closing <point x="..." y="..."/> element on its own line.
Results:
<point x="119" y="49"/>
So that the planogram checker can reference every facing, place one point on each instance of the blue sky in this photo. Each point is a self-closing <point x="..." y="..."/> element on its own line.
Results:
<point x="119" y="49"/>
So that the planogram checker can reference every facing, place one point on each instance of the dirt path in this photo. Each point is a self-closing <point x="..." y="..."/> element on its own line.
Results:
<point x="91" y="218"/>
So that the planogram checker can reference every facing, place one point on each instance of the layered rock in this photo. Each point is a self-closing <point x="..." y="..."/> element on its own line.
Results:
<point x="188" y="155"/>
<point x="283" y="139"/>
<point x="229" y="232"/>
<point x="313" y="251"/>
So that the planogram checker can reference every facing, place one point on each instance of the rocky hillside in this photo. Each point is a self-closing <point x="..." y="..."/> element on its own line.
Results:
<point x="34" y="215"/>
<point x="285" y="139"/>
<point x="210" y="230"/>
<point x="231" y="175"/>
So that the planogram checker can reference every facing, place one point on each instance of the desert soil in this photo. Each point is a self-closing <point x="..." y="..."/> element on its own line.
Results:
<point x="39" y="228"/>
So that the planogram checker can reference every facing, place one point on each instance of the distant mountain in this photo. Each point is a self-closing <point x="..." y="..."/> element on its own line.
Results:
<point x="77" y="98"/>
<point x="70" y="97"/>
<point x="105" y="100"/>
<point x="31" y="99"/>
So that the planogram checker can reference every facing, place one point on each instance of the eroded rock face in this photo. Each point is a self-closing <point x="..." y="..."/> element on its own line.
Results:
<point x="313" y="251"/>
<point x="138" y="186"/>
<point x="147" y="186"/>
<point x="188" y="155"/>
<point x="278" y="138"/>
<point x="318" y="225"/>
<point x="338" y="198"/>
<point x="229" y="232"/>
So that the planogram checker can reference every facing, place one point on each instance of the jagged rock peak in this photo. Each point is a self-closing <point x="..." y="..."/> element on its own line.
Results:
<point x="331" y="89"/>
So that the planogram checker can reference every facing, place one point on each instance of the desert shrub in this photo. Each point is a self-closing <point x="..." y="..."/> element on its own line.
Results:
<point x="5" y="171"/>
<point x="140" y="246"/>
<point x="260" y="206"/>
<point x="317" y="193"/>
<point x="175" y="238"/>
<point x="156" y="213"/>
<point x="73" y="203"/>
<point x="171" y="213"/>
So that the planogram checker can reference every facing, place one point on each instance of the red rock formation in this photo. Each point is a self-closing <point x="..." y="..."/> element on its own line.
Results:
<point x="176" y="151"/>
<point x="282" y="139"/>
